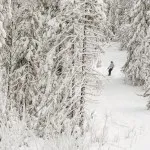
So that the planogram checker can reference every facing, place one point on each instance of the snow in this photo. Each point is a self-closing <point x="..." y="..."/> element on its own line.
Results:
<point x="118" y="119"/>
<point x="119" y="109"/>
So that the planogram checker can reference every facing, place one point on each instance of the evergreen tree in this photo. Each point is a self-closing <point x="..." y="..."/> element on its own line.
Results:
<point x="20" y="57"/>
<point x="81" y="29"/>
<point x="139" y="26"/>
<point x="2" y="31"/>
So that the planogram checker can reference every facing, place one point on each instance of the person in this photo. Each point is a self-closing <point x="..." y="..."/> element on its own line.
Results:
<point x="110" y="68"/>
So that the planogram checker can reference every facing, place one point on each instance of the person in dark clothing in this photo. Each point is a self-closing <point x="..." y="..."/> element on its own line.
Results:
<point x="110" y="68"/>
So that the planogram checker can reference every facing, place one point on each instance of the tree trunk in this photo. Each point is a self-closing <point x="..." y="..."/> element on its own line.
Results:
<point x="82" y="100"/>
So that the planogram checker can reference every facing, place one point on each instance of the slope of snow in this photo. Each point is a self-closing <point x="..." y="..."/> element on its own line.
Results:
<point x="120" y="115"/>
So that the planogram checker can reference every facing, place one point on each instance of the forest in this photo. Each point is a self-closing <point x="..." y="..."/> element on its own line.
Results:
<point x="54" y="89"/>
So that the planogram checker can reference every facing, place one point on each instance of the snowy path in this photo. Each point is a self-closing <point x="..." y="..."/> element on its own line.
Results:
<point x="127" y="122"/>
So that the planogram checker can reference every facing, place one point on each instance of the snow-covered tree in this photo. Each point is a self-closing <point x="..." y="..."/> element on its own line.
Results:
<point x="48" y="57"/>
<point x="20" y="56"/>
<point x="2" y="31"/>
<point x="139" y="30"/>
<point x="112" y="13"/>
<point x="145" y="72"/>
<point x="125" y="27"/>
<point x="138" y="45"/>
<point x="80" y="30"/>
<point x="118" y="14"/>
<point x="5" y="15"/>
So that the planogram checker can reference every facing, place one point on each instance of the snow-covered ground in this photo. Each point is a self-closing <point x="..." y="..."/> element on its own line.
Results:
<point x="120" y="120"/>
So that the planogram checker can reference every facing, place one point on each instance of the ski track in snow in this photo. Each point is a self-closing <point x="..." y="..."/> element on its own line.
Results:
<point x="127" y="119"/>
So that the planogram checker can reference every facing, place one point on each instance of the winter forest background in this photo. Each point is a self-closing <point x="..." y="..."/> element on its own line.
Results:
<point x="51" y="61"/>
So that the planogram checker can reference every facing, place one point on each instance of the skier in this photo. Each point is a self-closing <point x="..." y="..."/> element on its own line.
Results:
<point x="110" y="68"/>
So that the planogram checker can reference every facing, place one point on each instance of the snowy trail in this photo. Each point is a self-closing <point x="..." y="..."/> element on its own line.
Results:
<point x="128" y="121"/>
